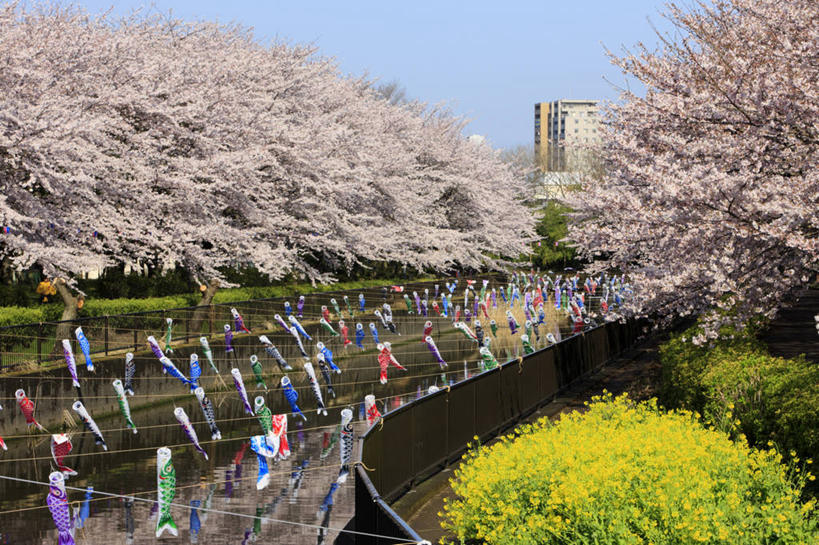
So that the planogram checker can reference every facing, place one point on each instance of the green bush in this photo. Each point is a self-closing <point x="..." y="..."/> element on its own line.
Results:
<point x="22" y="315"/>
<point x="101" y="307"/>
<point x="735" y="384"/>
<point x="625" y="473"/>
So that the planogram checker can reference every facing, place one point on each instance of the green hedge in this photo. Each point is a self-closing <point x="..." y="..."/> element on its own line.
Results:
<point x="735" y="384"/>
<point x="626" y="473"/>
<point x="101" y="307"/>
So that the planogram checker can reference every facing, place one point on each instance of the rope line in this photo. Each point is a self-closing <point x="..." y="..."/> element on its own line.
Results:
<point x="173" y="424"/>
<point x="219" y="511"/>
<point x="201" y="422"/>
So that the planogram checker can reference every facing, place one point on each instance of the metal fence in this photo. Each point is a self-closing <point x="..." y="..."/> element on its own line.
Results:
<point x="424" y="436"/>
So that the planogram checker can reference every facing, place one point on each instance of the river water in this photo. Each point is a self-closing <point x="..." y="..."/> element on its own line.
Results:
<point x="302" y="504"/>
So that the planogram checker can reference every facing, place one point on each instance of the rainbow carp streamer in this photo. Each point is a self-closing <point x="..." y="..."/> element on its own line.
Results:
<point x="371" y="409"/>
<point x="85" y="346"/>
<point x="238" y="321"/>
<point x="27" y="408"/>
<point x="185" y="422"/>
<point x="295" y="323"/>
<point x="295" y="333"/>
<point x="359" y="335"/>
<point x="208" y="353"/>
<point x="60" y="448"/>
<point x="124" y="408"/>
<point x="71" y="363"/>
<point x="273" y="352"/>
<point x="130" y="371"/>
<point x="168" y="336"/>
<point x="90" y="425"/>
<point x="207" y="410"/>
<point x="155" y="348"/>
<point x="195" y="371"/>
<point x="264" y="415"/>
<point x="435" y="352"/>
<point x="240" y="387"/>
<point x="171" y="369"/>
<point x="292" y="396"/>
<point x="258" y="373"/>
<point x="57" y="502"/>
<point x="326" y="355"/>
<point x="346" y="444"/>
<point x="315" y="387"/>
<point x="165" y="491"/>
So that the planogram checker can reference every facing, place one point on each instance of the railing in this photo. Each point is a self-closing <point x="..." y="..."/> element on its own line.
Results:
<point x="424" y="436"/>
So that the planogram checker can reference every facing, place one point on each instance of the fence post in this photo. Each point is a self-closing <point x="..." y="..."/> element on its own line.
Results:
<point x="211" y="319"/>
<point x="135" y="338"/>
<point x="40" y="342"/>
<point x="106" y="322"/>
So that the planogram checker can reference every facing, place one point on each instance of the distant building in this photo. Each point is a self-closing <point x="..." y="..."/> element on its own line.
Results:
<point x="564" y="123"/>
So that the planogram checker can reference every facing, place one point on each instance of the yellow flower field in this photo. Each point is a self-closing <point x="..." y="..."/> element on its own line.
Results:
<point x="627" y="473"/>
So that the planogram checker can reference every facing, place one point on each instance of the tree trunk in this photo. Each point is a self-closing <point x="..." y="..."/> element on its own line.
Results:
<point x="71" y="310"/>
<point x="204" y="304"/>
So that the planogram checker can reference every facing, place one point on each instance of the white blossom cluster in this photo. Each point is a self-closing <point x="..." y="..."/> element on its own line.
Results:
<point x="124" y="141"/>
<point x="711" y="198"/>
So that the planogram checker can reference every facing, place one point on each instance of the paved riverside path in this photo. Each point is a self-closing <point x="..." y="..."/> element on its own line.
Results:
<point x="636" y="372"/>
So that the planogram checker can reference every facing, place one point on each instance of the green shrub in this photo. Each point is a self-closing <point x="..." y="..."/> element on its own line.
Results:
<point x="735" y="384"/>
<point x="21" y="315"/>
<point x="625" y="473"/>
<point x="102" y="307"/>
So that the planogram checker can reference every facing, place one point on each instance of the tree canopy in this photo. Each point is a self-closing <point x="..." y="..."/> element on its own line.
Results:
<point x="149" y="137"/>
<point x="710" y="193"/>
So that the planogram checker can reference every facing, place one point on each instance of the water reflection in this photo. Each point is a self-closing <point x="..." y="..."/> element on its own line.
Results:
<point x="208" y="490"/>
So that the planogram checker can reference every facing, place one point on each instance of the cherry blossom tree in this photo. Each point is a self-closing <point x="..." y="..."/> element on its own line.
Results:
<point x="148" y="139"/>
<point x="710" y="197"/>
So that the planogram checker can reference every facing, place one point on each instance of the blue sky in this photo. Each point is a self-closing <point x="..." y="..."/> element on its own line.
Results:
<point x="490" y="61"/>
